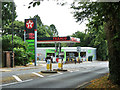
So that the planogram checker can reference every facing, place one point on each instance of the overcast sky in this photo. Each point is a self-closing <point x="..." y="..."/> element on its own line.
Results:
<point x="50" y="13"/>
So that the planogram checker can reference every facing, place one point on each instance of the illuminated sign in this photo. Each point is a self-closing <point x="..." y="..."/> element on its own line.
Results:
<point x="29" y="24"/>
<point x="53" y="38"/>
<point x="60" y="38"/>
<point x="31" y="35"/>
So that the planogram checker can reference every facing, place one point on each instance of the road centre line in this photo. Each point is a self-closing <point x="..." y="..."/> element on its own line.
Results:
<point x="17" y="78"/>
<point x="38" y="74"/>
<point x="16" y="82"/>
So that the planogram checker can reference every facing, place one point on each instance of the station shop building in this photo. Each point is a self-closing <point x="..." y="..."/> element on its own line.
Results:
<point x="67" y="53"/>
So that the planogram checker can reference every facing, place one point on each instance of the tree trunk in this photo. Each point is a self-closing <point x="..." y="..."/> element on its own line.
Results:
<point x="112" y="30"/>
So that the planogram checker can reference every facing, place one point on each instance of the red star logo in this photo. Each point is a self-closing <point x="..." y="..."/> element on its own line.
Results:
<point x="29" y="24"/>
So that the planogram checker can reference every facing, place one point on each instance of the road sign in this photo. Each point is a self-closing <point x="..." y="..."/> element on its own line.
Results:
<point x="78" y="49"/>
<point x="31" y="36"/>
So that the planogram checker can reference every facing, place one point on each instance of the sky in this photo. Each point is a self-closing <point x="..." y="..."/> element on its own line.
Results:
<point x="51" y="13"/>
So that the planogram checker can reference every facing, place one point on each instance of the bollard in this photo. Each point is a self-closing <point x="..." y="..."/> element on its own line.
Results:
<point x="68" y="59"/>
<point x="59" y="63"/>
<point x="62" y="64"/>
<point x="48" y="64"/>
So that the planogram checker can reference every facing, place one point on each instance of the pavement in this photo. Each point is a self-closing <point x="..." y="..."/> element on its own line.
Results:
<point x="29" y="66"/>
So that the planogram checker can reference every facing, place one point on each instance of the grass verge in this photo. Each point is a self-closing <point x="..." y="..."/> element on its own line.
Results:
<point x="103" y="82"/>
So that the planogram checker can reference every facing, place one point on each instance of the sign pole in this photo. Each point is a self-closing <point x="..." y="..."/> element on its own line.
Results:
<point x="31" y="37"/>
<point x="59" y="50"/>
<point x="36" y="43"/>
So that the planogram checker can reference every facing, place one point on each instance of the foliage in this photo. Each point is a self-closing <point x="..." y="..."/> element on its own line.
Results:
<point x="7" y="13"/>
<point x="21" y="56"/>
<point x="80" y="35"/>
<point x="98" y="39"/>
<point x="107" y="13"/>
<point x="18" y="29"/>
<point x="20" y="48"/>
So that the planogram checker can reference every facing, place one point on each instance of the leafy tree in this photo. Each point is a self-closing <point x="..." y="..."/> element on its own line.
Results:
<point x="54" y="30"/>
<point x="18" y="29"/>
<point x="7" y="12"/>
<point x="39" y="22"/>
<point x="98" y="40"/>
<point x="80" y="35"/>
<point x="108" y="13"/>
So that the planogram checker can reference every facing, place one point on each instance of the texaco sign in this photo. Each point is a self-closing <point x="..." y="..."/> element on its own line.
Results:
<point x="29" y="24"/>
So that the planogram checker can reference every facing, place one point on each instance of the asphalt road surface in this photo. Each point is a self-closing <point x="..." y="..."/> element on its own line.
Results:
<point x="75" y="76"/>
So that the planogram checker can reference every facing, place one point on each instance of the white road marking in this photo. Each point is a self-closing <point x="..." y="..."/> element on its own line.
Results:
<point x="38" y="74"/>
<point x="17" y="78"/>
<point x="76" y="70"/>
<point x="82" y="84"/>
<point x="16" y="82"/>
<point x="60" y="73"/>
<point x="70" y="71"/>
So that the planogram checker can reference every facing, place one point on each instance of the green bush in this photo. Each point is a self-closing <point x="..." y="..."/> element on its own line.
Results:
<point x="22" y="55"/>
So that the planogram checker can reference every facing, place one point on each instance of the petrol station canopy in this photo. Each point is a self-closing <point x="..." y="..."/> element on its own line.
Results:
<point x="67" y="39"/>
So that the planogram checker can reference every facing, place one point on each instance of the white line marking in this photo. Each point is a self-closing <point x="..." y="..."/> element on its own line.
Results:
<point x="60" y="73"/>
<point x="77" y="70"/>
<point x="70" y="71"/>
<point x="82" y="84"/>
<point x="17" y="78"/>
<point x="38" y="74"/>
<point x="16" y="82"/>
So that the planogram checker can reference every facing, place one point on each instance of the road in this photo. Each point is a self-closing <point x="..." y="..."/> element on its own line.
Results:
<point x="75" y="76"/>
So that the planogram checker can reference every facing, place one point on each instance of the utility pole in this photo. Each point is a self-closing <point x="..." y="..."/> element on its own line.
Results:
<point x="12" y="33"/>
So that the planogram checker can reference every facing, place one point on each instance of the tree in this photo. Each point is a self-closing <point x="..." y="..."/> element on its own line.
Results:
<point x="98" y="40"/>
<point x="18" y="29"/>
<point x="54" y="30"/>
<point x="80" y="35"/>
<point x="108" y="13"/>
<point x="39" y="21"/>
<point x="7" y="12"/>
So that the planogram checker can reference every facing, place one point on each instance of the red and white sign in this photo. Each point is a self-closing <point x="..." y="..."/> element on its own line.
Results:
<point x="29" y="24"/>
<point x="31" y="35"/>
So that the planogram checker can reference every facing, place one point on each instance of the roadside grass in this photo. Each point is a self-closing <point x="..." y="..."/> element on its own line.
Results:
<point x="103" y="82"/>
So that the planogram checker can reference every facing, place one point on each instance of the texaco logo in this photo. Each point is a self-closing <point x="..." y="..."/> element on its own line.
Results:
<point x="29" y="24"/>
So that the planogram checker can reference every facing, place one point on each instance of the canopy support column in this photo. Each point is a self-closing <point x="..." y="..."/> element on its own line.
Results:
<point x="55" y="50"/>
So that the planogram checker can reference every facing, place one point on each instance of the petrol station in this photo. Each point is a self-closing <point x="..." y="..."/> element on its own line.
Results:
<point x="30" y="36"/>
<point x="62" y="54"/>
